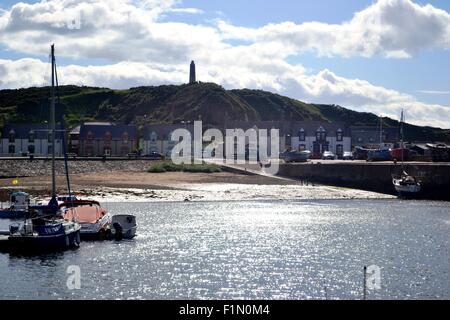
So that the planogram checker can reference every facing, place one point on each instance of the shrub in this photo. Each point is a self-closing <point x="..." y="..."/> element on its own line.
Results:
<point x="193" y="168"/>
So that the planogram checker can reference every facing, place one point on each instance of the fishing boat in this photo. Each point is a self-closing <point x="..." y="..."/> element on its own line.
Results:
<point x="44" y="228"/>
<point x="407" y="186"/>
<point x="18" y="206"/>
<point x="94" y="220"/>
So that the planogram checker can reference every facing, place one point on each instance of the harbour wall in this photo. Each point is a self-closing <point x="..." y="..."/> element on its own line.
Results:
<point x="435" y="177"/>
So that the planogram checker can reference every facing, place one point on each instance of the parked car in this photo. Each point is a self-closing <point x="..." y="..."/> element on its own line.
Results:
<point x="361" y="153"/>
<point x="154" y="156"/>
<point x="296" y="156"/>
<point x="348" y="155"/>
<point x="328" y="155"/>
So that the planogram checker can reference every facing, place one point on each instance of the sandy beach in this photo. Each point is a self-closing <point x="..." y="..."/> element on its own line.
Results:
<point x="106" y="182"/>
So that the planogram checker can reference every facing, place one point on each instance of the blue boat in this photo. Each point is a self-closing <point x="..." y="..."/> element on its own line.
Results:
<point x="44" y="229"/>
<point x="379" y="155"/>
<point x="18" y="206"/>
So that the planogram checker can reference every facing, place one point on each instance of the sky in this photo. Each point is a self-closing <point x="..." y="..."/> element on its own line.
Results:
<point x="377" y="56"/>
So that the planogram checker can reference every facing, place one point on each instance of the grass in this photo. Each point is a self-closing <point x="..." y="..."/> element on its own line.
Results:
<point x="169" y="166"/>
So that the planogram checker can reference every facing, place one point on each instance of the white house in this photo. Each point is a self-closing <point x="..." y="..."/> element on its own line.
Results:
<point x="318" y="137"/>
<point x="19" y="139"/>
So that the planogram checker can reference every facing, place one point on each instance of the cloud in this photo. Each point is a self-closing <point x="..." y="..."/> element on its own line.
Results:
<point x="390" y="28"/>
<point x="141" y="49"/>
<point x="323" y="87"/>
<point x="434" y="92"/>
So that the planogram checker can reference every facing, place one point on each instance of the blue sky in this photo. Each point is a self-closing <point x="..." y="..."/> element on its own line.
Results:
<point x="423" y="75"/>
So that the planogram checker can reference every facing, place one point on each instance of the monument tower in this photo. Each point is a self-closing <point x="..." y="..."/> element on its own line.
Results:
<point x="192" y="77"/>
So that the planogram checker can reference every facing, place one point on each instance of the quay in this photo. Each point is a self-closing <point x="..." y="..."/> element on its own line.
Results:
<point x="372" y="176"/>
<point x="359" y="174"/>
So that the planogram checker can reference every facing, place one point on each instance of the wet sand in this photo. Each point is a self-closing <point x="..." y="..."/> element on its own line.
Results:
<point x="179" y="186"/>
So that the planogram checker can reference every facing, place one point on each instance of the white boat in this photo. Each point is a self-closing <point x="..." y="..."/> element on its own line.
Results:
<point x="123" y="226"/>
<point x="406" y="185"/>
<point x="18" y="208"/>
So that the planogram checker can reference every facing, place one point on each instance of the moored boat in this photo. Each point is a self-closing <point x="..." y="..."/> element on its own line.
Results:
<point x="18" y="206"/>
<point x="94" y="220"/>
<point x="123" y="226"/>
<point x="406" y="185"/>
<point x="43" y="230"/>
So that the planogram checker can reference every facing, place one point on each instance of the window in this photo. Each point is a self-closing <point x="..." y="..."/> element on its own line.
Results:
<point x="12" y="137"/>
<point x="321" y="134"/>
<point x="153" y="137"/>
<point x="301" y="135"/>
<point x="339" y="136"/>
<point x="31" y="136"/>
<point x="12" y="149"/>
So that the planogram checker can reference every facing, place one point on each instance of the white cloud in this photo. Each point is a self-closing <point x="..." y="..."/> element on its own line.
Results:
<point x="143" y="50"/>
<point x="391" y="28"/>
<point x="434" y="92"/>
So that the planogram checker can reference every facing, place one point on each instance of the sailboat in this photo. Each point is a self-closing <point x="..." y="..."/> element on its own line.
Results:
<point x="406" y="185"/>
<point x="44" y="228"/>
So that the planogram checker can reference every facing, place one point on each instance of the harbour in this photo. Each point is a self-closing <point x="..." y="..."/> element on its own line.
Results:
<point x="223" y="159"/>
<point x="311" y="249"/>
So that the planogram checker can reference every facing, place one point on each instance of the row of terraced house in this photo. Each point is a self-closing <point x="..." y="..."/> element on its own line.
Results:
<point x="109" y="139"/>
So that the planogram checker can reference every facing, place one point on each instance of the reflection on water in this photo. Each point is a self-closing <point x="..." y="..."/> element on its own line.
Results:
<point x="252" y="250"/>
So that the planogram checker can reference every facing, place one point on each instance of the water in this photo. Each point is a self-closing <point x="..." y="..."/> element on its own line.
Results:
<point x="252" y="250"/>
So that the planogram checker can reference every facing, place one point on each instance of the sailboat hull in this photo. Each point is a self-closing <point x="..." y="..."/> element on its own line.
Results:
<point x="408" y="190"/>
<point x="50" y="243"/>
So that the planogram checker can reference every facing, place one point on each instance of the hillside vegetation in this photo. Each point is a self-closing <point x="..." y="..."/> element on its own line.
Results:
<point x="175" y="103"/>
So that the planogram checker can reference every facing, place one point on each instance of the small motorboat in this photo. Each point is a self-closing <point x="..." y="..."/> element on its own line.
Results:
<point x="406" y="186"/>
<point x="95" y="221"/>
<point x="18" y="206"/>
<point x="123" y="226"/>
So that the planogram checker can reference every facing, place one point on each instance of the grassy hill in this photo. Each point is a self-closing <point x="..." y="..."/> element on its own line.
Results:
<point x="170" y="104"/>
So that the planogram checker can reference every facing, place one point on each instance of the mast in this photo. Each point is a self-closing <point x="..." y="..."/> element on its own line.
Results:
<point x="66" y="165"/>
<point x="402" y="119"/>
<point x="381" y="131"/>
<point x="52" y="121"/>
